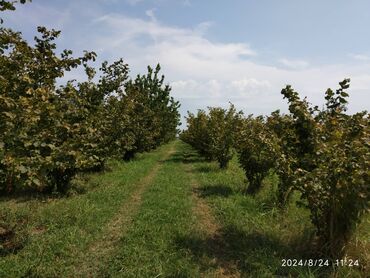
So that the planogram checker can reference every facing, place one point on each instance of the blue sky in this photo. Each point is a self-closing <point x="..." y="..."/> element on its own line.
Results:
<point x="214" y="51"/>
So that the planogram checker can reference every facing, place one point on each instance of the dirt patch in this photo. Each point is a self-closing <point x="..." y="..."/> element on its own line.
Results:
<point x="13" y="232"/>
<point x="99" y="252"/>
<point x="11" y="240"/>
<point x="38" y="230"/>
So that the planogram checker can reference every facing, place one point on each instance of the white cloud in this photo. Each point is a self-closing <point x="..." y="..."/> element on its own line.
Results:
<point x="186" y="89"/>
<point x="203" y="27"/>
<point x="360" y="57"/>
<point x="294" y="64"/>
<point x="361" y="82"/>
<point x="186" y="3"/>
<point x="133" y="2"/>
<point x="151" y="15"/>
<point x="189" y="43"/>
<point x="214" y="73"/>
<point x="40" y="15"/>
<point x="192" y="89"/>
<point x="247" y="85"/>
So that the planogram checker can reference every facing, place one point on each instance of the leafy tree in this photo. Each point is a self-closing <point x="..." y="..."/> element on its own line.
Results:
<point x="49" y="133"/>
<point x="222" y="125"/>
<point x="213" y="134"/>
<point x="326" y="158"/>
<point x="197" y="133"/>
<point x="37" y="121"/>
<point x="282" y="127"/>
<point x="296" y="134"/>
<point x="153" y="113"/>
<point x="337" y="189"/>
<point x="111" y="118"/>
<point x="258" y="150"/>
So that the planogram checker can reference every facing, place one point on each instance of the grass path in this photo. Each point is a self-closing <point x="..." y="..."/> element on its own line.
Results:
<point x="211" y="229"/>
<point x="150" y="247"/>
<point x="159" y="243"/>
<point x="98" y="252"/>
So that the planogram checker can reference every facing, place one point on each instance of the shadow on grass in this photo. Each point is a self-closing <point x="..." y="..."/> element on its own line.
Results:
<point x="185" y="157"/>
<point x="78" y="186"/>
<point x="250" y="254"/>
<point x="28" y="195"/>
<point x="220" y="190"/>
<point x="207" y="169"/>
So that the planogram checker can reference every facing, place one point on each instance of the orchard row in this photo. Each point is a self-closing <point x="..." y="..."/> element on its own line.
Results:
<point x="50" y="132"/>
<point x="323" y="154"/>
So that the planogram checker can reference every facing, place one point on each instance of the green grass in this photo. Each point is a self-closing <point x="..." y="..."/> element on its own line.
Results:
<point x="57" y="231"/>
<point x="165" y="237"/>
<point x="150" y="249"/>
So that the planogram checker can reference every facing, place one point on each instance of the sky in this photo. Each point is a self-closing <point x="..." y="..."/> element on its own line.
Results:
<point x="213" y="52"/>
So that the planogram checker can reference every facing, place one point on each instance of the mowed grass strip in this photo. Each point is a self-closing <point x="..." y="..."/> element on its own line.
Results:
<point x="98" y="252"/>
<point x="151" y="246"/>
<point x="209" y="241"/>
<point x="57" y="231"/>
<point x="255" y="235"/>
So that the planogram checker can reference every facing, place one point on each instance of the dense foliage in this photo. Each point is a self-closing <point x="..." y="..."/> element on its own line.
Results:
<point x="282" y="128"/>
<point x="258" y="150"/>
<point x="48" y="133"/>
<point x="197" y="134"/>
<point x="333" y="176"/>
<point x="213" y="134"/>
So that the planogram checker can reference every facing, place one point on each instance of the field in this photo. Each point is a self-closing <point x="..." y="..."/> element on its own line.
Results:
<point x="107" y="170"/>
<point x="168" y="213"/>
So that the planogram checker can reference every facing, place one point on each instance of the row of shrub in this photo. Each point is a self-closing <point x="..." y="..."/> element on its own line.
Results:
<point x="324" y="154"/>
<point x="50" y="132"/>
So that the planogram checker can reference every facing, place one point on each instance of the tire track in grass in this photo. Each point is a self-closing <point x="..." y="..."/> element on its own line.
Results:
<point x="98" y="253"/>
<point x="211" y="230"/>
<point x="156" y="244"/>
